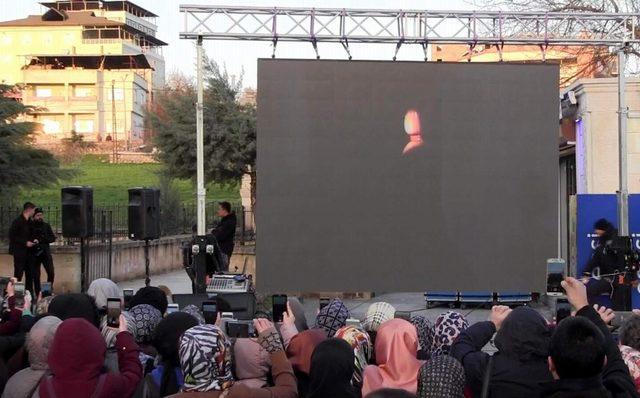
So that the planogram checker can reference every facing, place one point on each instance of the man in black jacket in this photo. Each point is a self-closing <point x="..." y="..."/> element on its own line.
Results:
<point x="225" y="232"/>
<point x="604" y="261"/>
<point x="20" y="241"/>
<point x="43" y="234"/>
<point x="584" y="359"/>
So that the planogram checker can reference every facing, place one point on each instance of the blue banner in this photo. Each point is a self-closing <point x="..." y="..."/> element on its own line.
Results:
<point x="634" y="231"/>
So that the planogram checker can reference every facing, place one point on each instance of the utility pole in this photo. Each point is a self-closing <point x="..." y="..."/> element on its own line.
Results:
<point x="113" y="121"/>
<point x="623" y="111"/>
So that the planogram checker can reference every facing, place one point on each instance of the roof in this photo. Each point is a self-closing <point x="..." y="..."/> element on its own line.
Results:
<point x="113" y="5"/>
<point x="76" y="18"/>
<point x="97" y="61"/>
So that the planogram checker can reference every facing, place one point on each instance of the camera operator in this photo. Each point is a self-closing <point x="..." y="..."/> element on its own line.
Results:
<point x="43" y="235"/>
<point x="605" y="259"/>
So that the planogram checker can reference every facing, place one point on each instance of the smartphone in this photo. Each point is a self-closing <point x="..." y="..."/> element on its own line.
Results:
<point x="210" y="312"/>
<point x="406" y="315"/>
<point x="239" y="329"/>
<point x="171" y="308"/>
<point x="114" y="308"/>
<point x="279" y="306"/>
<point x="19" y="287"/>
<point x="324" y="301"/>
<point x="46" y="289"/>
<point x="563" y="309"/>
<point x="127" y="294"/>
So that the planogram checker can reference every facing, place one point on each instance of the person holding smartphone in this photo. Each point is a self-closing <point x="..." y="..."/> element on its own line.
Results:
<point x="43" y="235"/>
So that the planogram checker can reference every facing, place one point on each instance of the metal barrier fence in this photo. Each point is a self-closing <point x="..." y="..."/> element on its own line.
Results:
<point x="173" y="222"/>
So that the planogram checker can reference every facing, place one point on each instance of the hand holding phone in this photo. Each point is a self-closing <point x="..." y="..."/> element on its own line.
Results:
<point x="114" y="310"/>
<point x="19" y="287"/>
<point x="279" y="306"/>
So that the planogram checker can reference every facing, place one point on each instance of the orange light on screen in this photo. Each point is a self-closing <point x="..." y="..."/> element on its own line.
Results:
<point x="412" y="128"/>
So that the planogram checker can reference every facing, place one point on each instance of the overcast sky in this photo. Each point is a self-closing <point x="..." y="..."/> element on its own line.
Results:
<point x="238" y="56"/>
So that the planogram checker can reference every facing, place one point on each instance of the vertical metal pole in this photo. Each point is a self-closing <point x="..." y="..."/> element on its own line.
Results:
<point x="114" y="126"/>
<point x="623" y="192"/>
<point x="201" y="192"/>
<point x="200" y="259"/>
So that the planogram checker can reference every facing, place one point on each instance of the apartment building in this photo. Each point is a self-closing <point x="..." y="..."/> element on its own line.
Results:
<point x="88" y="66"/>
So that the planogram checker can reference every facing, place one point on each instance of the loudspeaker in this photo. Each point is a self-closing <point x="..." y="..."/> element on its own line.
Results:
<point x="77" y="212"/>
<point x="144" y="213"/>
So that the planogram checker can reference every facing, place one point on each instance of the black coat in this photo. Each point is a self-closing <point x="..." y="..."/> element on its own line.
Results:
<point x="225" y="233"/>
<point x="520" y="365"/>
<point x="615" y="380"/>
<point x="19" y="235"/>
<point x="43" y="232"/>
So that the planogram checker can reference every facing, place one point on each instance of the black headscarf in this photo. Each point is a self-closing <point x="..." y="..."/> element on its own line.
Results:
<point x="75" y="305"/>
<point x="151" y="295"/>
<point x="524" y="336"/>
<point x="167" y="341"/>
<point x="332" y="367"/>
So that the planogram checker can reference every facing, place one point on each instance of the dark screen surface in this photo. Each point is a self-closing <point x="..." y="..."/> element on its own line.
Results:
<point x="405" y="176"/>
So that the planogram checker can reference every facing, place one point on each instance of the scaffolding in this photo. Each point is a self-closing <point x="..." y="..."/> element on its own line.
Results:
<point x="617" y="31"/>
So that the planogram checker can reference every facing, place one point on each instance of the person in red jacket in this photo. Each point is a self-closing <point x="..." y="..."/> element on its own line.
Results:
<point x="76" y="359"/>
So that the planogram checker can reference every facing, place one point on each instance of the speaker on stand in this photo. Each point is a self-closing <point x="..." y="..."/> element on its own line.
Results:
<point x="144" y="219"/>
<point x="77" y="220"/>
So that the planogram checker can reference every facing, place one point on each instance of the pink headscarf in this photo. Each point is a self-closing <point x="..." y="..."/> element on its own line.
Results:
<point x="396" y="350"/>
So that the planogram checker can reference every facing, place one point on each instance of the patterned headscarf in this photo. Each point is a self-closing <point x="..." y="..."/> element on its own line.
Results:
<point x="425" y="332"/>
<point x="110" y="334"/>
<point x="194" y="311"/>
<point x="631" y="358"/>
<point x="145" y="319"/>
<point x="332" y="317"/>
<point x="360" y="341"/>
<point x="441" y="377"/>
<point x="377" y="314"/>
<point x="205" y="358"/>
<point x="447" y="329"/>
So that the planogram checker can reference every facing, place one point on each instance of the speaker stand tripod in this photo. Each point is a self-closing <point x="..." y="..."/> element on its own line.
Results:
<point x="147" y="280"/>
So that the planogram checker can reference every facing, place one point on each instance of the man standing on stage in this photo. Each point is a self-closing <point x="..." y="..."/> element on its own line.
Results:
<point x="20" y="241"/>
<point x="605" y="261"/>
<point x="225" y="232"/>
<point x="42" y="232"/>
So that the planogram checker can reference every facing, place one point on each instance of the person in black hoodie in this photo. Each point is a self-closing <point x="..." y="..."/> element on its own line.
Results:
<point x="225" y="232"/>
<point x="520" y="364"/>
<point x="332" y="367"/>
<point x="584" y="359"/>
<point x="605" y="260"/>
<point x="20" y="241"/>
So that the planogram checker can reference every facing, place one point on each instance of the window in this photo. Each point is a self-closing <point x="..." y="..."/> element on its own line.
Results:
<point x="83" y="91"/>
<point x="6" y="39"/>
<point x="51" y="126"/>
<point x="26" y="39"/>
<point x="47" y="39"/>
<point x="43" y="92"/>
<point x="83" y="126"/>
<point x="118" y="93"/>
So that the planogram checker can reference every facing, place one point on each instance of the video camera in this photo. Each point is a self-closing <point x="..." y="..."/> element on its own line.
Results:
<point x="622" y="246"/>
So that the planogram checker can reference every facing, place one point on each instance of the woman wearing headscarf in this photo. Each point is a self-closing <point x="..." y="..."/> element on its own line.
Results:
<point x="630" y="347"/>
<point x="447" y="328"/>
<point x="145" y="320"/>
<point x="109" y="334"/>
<point x="332" y="317"/>
<point x="24" y="383"/>
<point x="205" y="359"/>
<point x="332" y="370"/>
<point x="441" y="377"/>
<point x="299" y="352"/>
<point x="297" y="310"/>
<point x="195" y="312"/>
<point x="360" y="343"/>
<point x="377" y="314"/>
<point x="151" y="295"/>
<point x="103" y="289"/>
<point x="76" y="359"/>
<point x="75" y="305"/>
<point x="396" y="348"/>
<point x="426" y="335"/>
<point x="520" y="366"/>
<point x="166" y="378"/>
<point x="251" y="363"/>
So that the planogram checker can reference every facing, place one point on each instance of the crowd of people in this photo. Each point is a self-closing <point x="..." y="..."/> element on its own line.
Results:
<point x="63" y="346"/>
